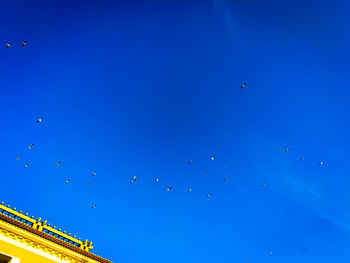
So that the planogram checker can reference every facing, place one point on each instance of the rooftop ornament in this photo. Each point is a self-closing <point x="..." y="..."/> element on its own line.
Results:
<point x="42" y="226"/>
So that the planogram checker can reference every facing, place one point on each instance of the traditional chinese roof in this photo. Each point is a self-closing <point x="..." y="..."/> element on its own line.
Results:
<point x="42" y="229"/>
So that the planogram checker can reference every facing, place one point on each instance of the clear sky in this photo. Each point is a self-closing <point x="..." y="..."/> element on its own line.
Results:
<point x="139" y="88"/>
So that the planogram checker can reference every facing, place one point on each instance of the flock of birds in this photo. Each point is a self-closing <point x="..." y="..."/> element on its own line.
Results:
<point x="26" y="165"/>
<point x="169" y="188"/>
<point x="212" y="158"/>
<point x="134" y="179"/>
<point x="302" y="158"/>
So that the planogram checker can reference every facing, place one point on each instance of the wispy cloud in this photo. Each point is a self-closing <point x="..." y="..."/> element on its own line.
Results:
<point x="315" y="200"/>
<point x="224" y="11"/>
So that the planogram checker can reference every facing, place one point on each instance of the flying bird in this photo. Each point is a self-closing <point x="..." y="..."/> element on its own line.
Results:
<point x="212" y="158"/>
<point x="57" y="164"/>
<point x="270" y="252"/>
<point x="157" y="180"/>
<point x="134" y="179"/>
<point x="206" y="172"/>
<point x="191" y="161"/>
<point x="17" y="159"/>
<point x="31" y="146"/>
<point x="90" y="182"/>
<point x="321" y="163"/>
<point x="208" y="195"/>
<point x="243" y="86"/>
<point x="303" y="249"/>
<point x="26" y="165"/>
<point x="287" y="150"/>
<point x="8" y="45"/>
<point x="263" y="185"/>
<point x="226" y="179"/>
<point x="67" y="181"/>
<point x="302" y="159"/>
<point x="281" y="149"/>
<point x="190" y="189"/>
<point x="94" y="206"/>
<point x="169" y="188"/>
<point x="24" y="43"/>
<point x="94" y="173"/>
<point x="39" y="120"/>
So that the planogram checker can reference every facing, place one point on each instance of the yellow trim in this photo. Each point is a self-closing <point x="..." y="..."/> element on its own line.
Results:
<point x="17" y="238"/>
<point x="43" y="227"/>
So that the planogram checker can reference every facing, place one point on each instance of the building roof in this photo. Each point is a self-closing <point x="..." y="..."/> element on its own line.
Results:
<point x="42" y="229"/>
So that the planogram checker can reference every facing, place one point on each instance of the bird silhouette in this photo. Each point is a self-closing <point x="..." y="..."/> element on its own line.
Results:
<point x="212" y="158"/>
<point x="39" y="120"/>
<point x="157" y="180"/>
<point x="209" y="195"/>
<point x="24" y="43"/>
<point x="26" y="165"/>
<point x="31" y="146"/>
<point x="302" y="159"/>
<point x="243" y="86"/>
<point x="58" y="163"/>
<point x="67" y="181"/>
<point x="90" y="182"/>
<point x="17" y="159"/>
<point x="94" y="206"/>
<point x="8" y="45"/>
<point x="94" y="173"/>
<point x="134" y="179"/>
<point x="169" y="188"/>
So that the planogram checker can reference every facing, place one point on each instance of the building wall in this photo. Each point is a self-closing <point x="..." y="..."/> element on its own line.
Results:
<point x="30" y="248"/>
<point x="22" y="254"/>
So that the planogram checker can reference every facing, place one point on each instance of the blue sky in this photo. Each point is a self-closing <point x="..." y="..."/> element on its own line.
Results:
<point x="138" y="88"/>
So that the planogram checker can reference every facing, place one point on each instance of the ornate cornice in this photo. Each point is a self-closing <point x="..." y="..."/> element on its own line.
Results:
<point x="43" y="226"/>
<point x="36" y="245"/>
<point x="46" y="236"/>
